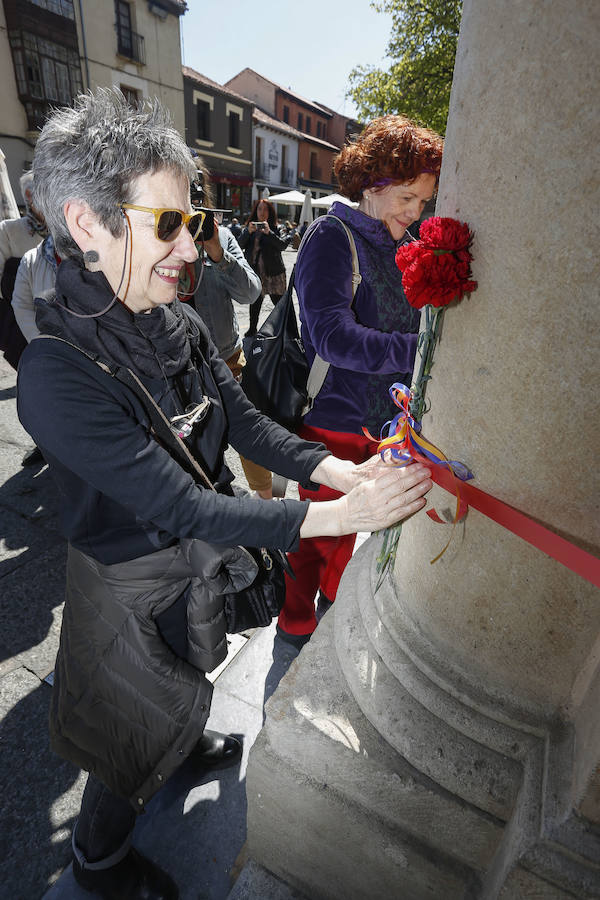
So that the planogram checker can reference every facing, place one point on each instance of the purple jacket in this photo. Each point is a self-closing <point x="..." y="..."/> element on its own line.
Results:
<point x="369" y="346"/>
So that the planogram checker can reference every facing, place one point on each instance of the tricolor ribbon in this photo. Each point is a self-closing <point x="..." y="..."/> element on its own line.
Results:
<point x="406" y="444"/>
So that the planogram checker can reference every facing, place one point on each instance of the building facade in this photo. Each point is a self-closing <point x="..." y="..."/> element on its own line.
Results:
<point x="342" y="128"/>
<point x="134" y="45"/>
<point x="316" y="153"/>
<point x="40" y="65"/>
<point x="311" y="121"/>
<point x="51" y="50"/>
<point x="218" y="124"/>
<point x="275" y="154"/>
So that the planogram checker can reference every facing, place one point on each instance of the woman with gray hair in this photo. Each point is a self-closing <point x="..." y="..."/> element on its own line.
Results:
<point x="140" y="629"/>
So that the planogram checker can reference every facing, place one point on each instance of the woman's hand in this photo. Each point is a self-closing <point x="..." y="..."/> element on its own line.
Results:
<point x="343" y="475"/>
<point x="213" y="246"/>
<point x="251" y="227"/>
<point x="389" y="496"/>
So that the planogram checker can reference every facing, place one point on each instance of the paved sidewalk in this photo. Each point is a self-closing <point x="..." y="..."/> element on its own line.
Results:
<point x="196" y="826"/>
<point x="40" y="793"/>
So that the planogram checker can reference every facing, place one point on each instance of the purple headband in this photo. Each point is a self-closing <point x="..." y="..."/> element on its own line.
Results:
<point x="385" y="181"/>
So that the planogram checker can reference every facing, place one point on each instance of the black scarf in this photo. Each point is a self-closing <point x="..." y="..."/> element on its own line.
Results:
<point x="151" y="344"/>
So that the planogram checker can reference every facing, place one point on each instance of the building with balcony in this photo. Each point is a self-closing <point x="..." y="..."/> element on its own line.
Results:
<point x="218" y="124"/>
<point x="275" y="154"/>
<point x="134" y="45"/>
<point x="51" y="50"/>
<point x="40" y="68"/>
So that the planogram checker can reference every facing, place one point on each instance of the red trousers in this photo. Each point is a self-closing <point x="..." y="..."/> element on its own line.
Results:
<point x="319" y="562"/>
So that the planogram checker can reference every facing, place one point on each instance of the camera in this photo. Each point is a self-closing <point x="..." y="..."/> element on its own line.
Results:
<point x="197" y="197"/>
<point x="208" y="226"/>
<point x="260" y="226"/>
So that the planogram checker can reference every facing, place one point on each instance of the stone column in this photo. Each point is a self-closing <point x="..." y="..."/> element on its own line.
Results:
<point x="466" y="693"/>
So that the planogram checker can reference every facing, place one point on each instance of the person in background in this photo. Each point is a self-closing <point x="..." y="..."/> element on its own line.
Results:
<point x="392" y="170"/>
<point x="262" y="247"/>
<point x="17" y="236"/>
<point x="220" y="275"/>
<point x="35" y="276"/>
<point x="235" y="228"/>
<point x="141" y="626"/>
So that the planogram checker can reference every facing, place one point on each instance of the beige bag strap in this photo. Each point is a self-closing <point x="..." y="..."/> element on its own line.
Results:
<point x="320" y="368"/>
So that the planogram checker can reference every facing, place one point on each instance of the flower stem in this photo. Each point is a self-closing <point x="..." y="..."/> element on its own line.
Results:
<point x="428" y="339"/>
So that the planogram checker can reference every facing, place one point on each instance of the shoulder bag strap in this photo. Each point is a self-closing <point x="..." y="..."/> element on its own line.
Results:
<point x="160" y="424"/>
<point x="320" y="368"/>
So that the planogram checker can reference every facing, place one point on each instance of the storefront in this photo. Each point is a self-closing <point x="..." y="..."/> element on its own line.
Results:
<point x="232" y="192"/>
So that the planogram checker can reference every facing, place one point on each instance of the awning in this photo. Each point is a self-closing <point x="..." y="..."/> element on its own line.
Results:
<point x="333" y="198"/>
<point x="293" y="198"/>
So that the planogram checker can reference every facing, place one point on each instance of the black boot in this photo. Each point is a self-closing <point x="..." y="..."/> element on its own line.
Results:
<point x="134" y="878"/>
<point x="216" y="751"/>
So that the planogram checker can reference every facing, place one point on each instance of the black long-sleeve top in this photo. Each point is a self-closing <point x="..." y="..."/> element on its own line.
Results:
<point x="123" y="494"/>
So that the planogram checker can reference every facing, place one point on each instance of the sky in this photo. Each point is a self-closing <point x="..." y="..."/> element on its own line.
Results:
<point x="309" y="46"/>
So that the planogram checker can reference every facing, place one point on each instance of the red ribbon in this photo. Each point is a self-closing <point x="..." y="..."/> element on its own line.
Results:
<point x="406" y="443"/>
<point x="563" y="551"/>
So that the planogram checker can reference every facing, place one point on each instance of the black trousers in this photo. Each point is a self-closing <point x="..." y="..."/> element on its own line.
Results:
<point x="103" y="831"/>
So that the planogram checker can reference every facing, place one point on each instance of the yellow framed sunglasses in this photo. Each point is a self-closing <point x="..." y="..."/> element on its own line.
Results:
<point x="169" y="222"/>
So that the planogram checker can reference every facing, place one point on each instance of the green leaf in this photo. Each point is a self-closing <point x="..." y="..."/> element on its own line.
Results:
<point x="421" y="49"/>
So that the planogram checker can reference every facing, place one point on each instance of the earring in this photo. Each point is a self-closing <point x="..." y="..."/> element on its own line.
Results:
<point x="90" y="257"/>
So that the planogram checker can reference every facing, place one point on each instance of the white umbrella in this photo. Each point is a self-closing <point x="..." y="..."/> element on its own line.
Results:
<point x="292" y="198"/>
<point x="8" y="204"/>
<point x="333" y="198"/>
<point x="306" y="214"/>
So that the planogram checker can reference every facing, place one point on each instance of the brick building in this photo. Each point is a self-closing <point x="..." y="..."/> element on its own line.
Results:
<point x="309" y="119"/>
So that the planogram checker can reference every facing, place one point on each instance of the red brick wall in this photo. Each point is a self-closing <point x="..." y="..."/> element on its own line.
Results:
<point x="296" y="108"/>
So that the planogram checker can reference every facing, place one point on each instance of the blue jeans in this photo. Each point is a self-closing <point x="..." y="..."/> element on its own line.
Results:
<point x="102" y="835"/>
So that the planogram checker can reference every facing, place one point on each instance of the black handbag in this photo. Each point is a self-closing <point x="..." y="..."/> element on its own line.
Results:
<point x="276" y="371"/>
<point x="251" y="580"/>
<point x="277" y="378"/>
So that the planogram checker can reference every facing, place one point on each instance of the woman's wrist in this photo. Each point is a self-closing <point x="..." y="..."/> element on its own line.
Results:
<point x="335" y="473"/>
<point x="324" y="519"/>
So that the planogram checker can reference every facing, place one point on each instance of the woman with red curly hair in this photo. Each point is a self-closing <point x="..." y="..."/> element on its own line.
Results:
<point x="391" y="171"/>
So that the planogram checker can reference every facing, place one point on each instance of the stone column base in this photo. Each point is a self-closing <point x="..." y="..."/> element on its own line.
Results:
<point x="337" y="810"/>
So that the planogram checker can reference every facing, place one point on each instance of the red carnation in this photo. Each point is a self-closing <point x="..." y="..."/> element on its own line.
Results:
<point x="445" y="234"/>
<point x="436" y="269"/>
